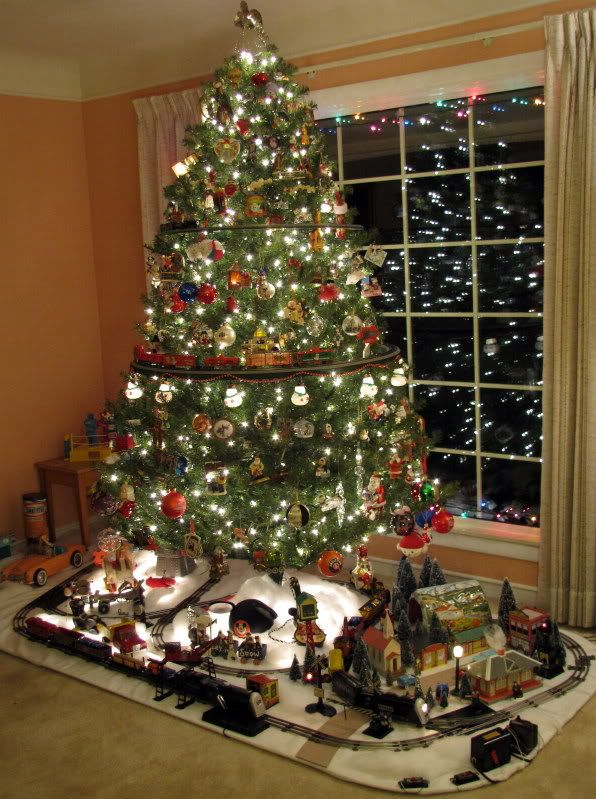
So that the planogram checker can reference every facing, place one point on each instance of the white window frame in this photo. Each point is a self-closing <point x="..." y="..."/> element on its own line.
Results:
<point x="512" y="73"/>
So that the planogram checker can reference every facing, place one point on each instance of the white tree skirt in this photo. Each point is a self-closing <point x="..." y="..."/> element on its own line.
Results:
<point x="380" y="768"/>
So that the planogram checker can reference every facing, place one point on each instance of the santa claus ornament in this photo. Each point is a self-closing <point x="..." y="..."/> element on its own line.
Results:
<point x="413" y="545"/>
<point x="374" y="497"/>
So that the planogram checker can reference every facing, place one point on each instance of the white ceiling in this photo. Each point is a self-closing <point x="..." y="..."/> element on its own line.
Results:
<point x="90" y="48"/>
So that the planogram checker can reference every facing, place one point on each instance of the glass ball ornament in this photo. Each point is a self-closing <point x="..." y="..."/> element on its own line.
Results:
<point x="164" y="394"/>
<point x="330" y="563"/>
<point x="206" y="294"/>
<point x="225" y="336"/>
<point x="104" y="504"/>
<point x="398" y="378"/>
<point x="173" y="505"/>
<point x="424" y="518"/>
<point x="402" y="521"/>
<point x="233" y="398"/>
<point x="352" y="325"/>
<point x="201" y="423"/>
<point x="300" y="396"/>
<point x="177" y="304"/>
<point x="442" y="521"/>
<point x="368" y="389"/>
<point x="188" y="292"/>
<point x="126" y="509"/>
<point x="315" y="325"/>
<point x="427" y="491"/>
<point x="133" y="391"/>
<point x="303" y="428"/>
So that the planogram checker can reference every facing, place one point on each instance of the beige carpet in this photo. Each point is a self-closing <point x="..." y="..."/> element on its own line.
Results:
<point x="60" y="738"/>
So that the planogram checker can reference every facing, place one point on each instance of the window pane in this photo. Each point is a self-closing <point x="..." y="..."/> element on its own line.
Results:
<point x="328" y="129"/>
<point x="511" y="351"/>
<point x="511" y="491"/>
<point x="441" y="279"/>
<point x="510" y="277"/>
<point x="392" y="282"/>
<point x="436" y="136"/>
<point x="509" y="203"/>
<point x="511" y="422"/>
<point x="461" y="469"/>
<point x="439" y="208"/>
<point x="379" y="209"/>
<point x="443" y="349"/>
<point x="395" y="332"/>
<point x="509" y="127"/>
<point x="370" y="144"/>
<point x="449" y="415"/>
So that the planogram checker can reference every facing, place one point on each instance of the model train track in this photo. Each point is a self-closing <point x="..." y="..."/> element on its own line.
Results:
<point x="441" y="729"/>
<point x="166" y="618"/>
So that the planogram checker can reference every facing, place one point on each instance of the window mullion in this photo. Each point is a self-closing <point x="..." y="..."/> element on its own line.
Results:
<point x="404" y="212"/>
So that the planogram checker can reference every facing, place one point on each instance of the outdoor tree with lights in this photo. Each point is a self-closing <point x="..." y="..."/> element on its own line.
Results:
<point x="265" y="410"/>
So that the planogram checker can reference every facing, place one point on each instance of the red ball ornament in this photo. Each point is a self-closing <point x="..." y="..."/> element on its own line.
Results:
<point x="243" y="126"/>
<point x="231" y="304"/>
<point x="207" y="293"/>
<point x="127" y="508"/>
<point x="330" y="563"/>
<point x="328" y="292"/>
<point x="259" y="79"/>
<point x="442" y="521"/>
<point x="177" y="305"/>
<point x="230" y="189"/>
<point x="173" y="505"/>
<point x="415" y="491"/>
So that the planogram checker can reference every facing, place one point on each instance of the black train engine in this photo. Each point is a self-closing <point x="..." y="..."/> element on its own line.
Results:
<point x="404" y="708"/>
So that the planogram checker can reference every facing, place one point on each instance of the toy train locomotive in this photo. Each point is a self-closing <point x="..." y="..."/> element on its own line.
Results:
<point x="403" y="708"/>
<point x="236" y="708"/>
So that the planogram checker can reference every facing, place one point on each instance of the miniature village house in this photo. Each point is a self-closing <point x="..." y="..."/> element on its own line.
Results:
<point x="523" y="624"/>
<point x="472" y="640"/>
<point x="433" y="655"/>
<point x="493" y="677"/>
<point x="384" y="651"/>
<point x="267" y="687"/>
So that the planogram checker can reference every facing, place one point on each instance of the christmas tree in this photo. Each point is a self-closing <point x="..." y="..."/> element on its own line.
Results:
<point x="424" y="577"/>
<point x="506" y="603"/>
<point x="437" y="633"/>
<point x="405" y="580"/>
<point x="295" y="672"/>
<point x="360" y="656"/>
<point x="436" y="576"/>
<point x="263" y="409"/>
<point x="404" y="629"/>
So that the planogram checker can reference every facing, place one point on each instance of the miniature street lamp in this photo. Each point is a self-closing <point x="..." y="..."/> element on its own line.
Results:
<point x="457" y="652"/>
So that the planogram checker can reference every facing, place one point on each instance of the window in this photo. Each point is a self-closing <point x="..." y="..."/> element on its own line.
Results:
<point x="453" y="191"/>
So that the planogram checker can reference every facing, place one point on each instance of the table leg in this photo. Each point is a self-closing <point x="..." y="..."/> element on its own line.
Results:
<point x="48" y="491"/>
<point x="83" y="512"/>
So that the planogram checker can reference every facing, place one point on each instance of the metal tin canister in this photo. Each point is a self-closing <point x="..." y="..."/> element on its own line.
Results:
<point x="35" y="510"/>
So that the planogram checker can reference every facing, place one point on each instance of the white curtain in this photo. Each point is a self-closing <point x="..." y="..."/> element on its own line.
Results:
<point x="162" y="121"/>
<point x="567" y="568"/>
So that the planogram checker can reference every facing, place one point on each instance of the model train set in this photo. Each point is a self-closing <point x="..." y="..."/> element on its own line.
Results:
<point x="198" y="672"/>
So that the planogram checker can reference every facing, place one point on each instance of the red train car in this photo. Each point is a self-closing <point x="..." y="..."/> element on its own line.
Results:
<point x="164" y="359"/>
<point x="221" y="362"/>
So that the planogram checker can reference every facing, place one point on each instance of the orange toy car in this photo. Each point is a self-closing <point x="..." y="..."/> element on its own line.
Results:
<point x="35" y="569"/>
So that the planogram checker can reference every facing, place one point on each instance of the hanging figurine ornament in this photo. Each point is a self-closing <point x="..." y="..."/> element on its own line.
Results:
<point x="374" y="497"/>
<point x="316" y="237"/>
<point x="233" y="398"/>
<point x="413" y="545"/>
<point x="369" y="335"/>
<point x="328" y="292"/>
<point x="300" y="396"/>
<point x="297" y="515"/>
<point x="340" y="209"/>
<point x="368" y="389"/>
<point x="133" y="391"/>
<point x="202" y="334"/>
<point x="164" y="394"/>
<point x="399" y="377"/>
<point x="263" y="419"/>
<point x="341" y="504"/>
<point x="177" y="304"/>
<point x="265" y="290"/>
<point x="223" y="429"/>
<point x="304" y="429"/>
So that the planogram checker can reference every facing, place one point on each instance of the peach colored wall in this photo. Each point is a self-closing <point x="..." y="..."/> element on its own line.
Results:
<point x="51" y="357"/>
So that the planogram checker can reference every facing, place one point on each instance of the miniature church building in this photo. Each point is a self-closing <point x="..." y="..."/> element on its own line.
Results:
<point x="493" y="677"/>
<point x="384" y="651"/>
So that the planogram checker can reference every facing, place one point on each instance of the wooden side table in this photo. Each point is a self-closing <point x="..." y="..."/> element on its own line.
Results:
<point x="78" y="476"/>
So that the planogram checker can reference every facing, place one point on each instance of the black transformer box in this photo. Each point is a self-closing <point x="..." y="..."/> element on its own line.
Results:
<point x="491" y="749"/>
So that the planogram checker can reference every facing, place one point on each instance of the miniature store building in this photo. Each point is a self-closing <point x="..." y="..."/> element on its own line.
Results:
<point x="493" y="677"/>
<point x="523" y="624"/>
<point x="434" y="655"/>
<point x="472" y="640"/>
<point x="384" y="653"/>
<point x="268" y="687"/>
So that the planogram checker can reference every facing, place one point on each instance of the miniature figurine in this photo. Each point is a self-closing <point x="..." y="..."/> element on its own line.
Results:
<point x="256" y="468"/>
<point x="218" y="565"/>
<point x="90" y="425"/>
<point x="322" y="467"/>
